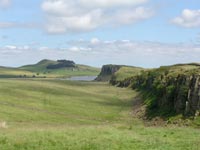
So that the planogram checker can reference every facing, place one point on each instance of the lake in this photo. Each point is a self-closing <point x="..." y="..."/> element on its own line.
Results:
<point x="82" y="78"/>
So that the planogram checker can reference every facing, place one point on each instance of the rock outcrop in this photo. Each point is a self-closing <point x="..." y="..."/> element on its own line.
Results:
<point x="61" y="64"/>
<point x="171" y="90"/>
<point x="107" y="71"/>
<point x="180" y="94"/>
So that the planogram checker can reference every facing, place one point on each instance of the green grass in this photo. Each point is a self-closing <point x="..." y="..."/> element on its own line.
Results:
<point x="56" y="101"/>
<point x="55" y="114"/>
<point x="127" y="72"/>
<point x="14" y="72"/>
<point x="100" y="138"/>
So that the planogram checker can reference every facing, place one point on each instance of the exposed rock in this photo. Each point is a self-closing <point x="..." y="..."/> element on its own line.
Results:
<point x="61" y="64"/>
<point x="172" y="89"/>
<point x="107" y="71"/>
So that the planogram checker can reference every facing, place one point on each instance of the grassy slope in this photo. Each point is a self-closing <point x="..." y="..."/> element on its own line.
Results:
<point x="40" y="68"/>
<point x="126" y="72"/>
<point x="53" y="114"/>
<point x="179" y="69"/>
<point x="14" y="72"/>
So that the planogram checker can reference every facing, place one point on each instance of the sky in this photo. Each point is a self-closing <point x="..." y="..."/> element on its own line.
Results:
<point x="145" y="33"/>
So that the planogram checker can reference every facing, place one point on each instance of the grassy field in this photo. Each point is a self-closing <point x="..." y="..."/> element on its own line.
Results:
<point x="14" y="72"/>
<point x="60" y="115"/>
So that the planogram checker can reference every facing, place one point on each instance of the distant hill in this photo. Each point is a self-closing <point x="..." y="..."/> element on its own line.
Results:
<point x="40" y="66"/>
<point x="60" y="68"/>
<point x="49" y="69"/>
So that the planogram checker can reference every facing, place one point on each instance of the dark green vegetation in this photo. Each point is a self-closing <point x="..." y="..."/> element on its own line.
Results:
<point x="43" y="114"/>
<point x="62" y="64"/>
<point x="49" y="69"/>
<point x="168" y="90"/>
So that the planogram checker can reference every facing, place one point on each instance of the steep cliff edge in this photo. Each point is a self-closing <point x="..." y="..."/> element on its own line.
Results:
<point x="117" y="73"/>
<point x="107" y="71"/>
<point x="169" y="90"/>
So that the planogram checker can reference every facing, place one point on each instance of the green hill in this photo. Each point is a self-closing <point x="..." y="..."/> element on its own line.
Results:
<point x="42" y="67"/>
<point x="39" y="67"/>
<point x="41" y="70"/>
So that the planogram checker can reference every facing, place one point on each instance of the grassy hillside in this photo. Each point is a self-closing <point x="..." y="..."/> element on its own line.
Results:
<point x="6" y="72"/>
<point x="53" y="114"/>
<point x="126" y="72"/>
<point x="41" y="68"/>
<point x="56" y="101"/>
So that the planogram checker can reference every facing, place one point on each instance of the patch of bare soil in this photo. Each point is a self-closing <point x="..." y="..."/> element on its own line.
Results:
<point x="139" y="111"/>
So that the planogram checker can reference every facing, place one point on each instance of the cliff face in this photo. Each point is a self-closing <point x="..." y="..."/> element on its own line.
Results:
<point x="62" y="64"/>
<point x="194" y="95"/>
<point x="107" y="71"/>
<point x="180" y="94"/>
<point x="169" y="90"/>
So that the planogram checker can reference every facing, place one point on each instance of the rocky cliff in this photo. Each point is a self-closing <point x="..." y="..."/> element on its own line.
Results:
<point x="169" y="90"/>
<point x="107" y="71"/>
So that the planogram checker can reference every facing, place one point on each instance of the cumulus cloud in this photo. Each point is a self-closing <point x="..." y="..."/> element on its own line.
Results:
<point x="7" y="24"/>
<point x="85" y="15"/>
<point x="5" y="3"/>
<point x="110" y="3"/>
<point x="95" y="41"/>
<point x="19" y="25"/>
<point x="146" y="54"/>
<point x="97" y="52"/>
<point x="189" y="19"/>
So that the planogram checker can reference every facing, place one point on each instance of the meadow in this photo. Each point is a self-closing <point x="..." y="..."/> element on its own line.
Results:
<point x="52" y="114"/>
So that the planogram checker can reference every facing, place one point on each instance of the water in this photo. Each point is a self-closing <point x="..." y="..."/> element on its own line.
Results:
<point x="82" y="78"/>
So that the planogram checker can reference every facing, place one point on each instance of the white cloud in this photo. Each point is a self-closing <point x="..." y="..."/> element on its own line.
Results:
<point x="5" y="3"/>
<point x="19" y="25"/>
<point x="6" y="24"/>
<point x="95" y="41"/>
<point x="74" y="49"/>
<point x="129" y="16"/>
<point x="10" y="47"/>
<point x="110" y="3"/>
<point x="189" y="19"/>
<point x="84" y="15"/>
<point x="146" y="54"/>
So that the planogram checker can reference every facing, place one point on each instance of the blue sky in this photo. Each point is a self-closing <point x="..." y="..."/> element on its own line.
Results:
<point x="147" y="33"/>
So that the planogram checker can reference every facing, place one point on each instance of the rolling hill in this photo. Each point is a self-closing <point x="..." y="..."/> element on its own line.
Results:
<point x="42" y="67"/>
<point x="41" y="70"/>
